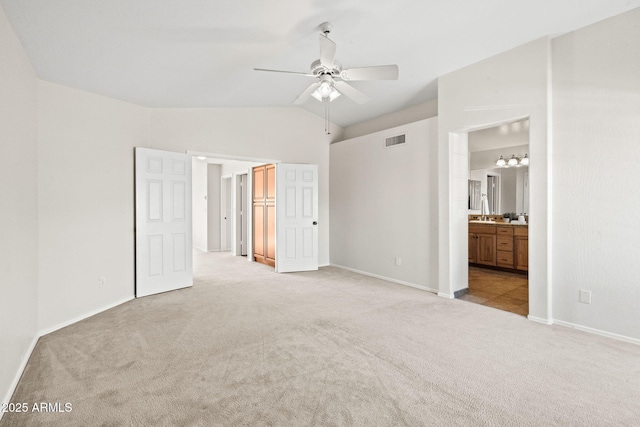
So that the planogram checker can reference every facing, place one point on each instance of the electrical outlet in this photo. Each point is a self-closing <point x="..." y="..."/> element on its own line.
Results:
<point x="585" y="296"/>
<point x="102" y="282"/>
<point x="398" y="261"/>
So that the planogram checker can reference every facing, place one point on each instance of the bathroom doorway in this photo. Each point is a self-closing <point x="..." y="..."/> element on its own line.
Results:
<point x="498" y="240"/>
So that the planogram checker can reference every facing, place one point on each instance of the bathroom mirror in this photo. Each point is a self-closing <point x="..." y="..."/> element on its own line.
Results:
<point x="507" y="189"/>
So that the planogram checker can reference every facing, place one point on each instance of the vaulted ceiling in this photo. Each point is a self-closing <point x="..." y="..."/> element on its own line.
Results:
<point x="201" y="53"/>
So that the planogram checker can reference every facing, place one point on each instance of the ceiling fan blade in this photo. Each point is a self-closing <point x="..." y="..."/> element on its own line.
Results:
<point x="327" y="51"/>
<point x="380" y="72"/>
<point x="302" y="98"/>
<point x="350" y="92"/>
<point x="283" y="71"/>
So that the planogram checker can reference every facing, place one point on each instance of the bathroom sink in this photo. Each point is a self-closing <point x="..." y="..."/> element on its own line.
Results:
<point x="477" y="221"/>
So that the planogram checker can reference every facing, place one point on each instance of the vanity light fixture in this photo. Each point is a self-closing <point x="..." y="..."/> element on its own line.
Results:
<point x="515" y="161"/>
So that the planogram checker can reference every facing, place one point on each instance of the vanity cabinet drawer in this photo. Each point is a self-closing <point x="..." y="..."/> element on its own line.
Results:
<point x="482" y="229"/>
<point x="505" y="243"/>
<point x="505" y="231"/>
<point x="505" y="259"/>
<point x="521" y="231"/>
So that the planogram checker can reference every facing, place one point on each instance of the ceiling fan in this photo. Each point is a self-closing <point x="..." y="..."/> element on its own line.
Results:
<point x="332" y="79"/>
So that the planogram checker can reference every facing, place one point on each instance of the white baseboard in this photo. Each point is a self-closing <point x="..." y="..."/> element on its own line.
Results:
<point x="44" y="332"/>
<point x="597" y="332"/>
<point x="64" y="324"/>
<point x="18" y="375"/>
<point x="540" y="320"/>
<point x="388" y="279"/>
<point x="445" y="295"/>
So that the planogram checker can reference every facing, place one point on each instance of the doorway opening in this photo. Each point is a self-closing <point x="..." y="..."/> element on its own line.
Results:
<point x="226" y="217"/>
<point x="221" y="192"/>
<point x="498" y="231"/>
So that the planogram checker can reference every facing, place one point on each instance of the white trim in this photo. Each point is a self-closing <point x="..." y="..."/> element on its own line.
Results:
<point x="214" y="156"/>
<point x="18" y="375"/>
<point x="46" y="331"/>
<point x="446" y="295"/>
<point x="27" y="356"/>
<point x="388" y="279"/>
<point x="540" y="320"/>
<point x="598" y="332"/>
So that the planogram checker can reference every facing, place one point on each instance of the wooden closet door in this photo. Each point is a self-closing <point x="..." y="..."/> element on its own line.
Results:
<point x="258" y="213"/>
<point x="258" y="232"/>
<point x="270" y="212"/>
<point x="264" y="220"/>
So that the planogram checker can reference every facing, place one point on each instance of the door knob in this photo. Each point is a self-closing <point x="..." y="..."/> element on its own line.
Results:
<point x="315" y="222"/>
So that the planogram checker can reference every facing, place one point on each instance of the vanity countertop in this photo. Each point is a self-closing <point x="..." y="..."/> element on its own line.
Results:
<point x="502" y="224"/>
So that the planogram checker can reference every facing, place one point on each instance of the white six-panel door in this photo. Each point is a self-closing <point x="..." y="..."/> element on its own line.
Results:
<point x="296" y="217"/>
<point x="163" y="221"/>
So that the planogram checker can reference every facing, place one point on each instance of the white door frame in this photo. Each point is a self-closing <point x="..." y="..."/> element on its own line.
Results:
<point x="453" y="264"/>
<point x="240" y="216"/>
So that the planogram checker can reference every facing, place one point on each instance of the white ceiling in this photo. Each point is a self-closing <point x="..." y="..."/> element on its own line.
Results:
<point x="201" y="53"/>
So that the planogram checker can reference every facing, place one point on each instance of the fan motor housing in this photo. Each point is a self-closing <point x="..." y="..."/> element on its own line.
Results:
<point x="317" y="69"/>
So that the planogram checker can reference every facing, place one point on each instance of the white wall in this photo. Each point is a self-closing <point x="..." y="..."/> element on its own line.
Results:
<point x="86" y="194"/>
<point x="405" y="116"/>
<point x="382" y="205"/>
<point x="230" y="167"/>
<point x="501" y="89"/>
<point x="596" y="127"/>
<point x="286" y="134"/>
<point x="206" y="198"/>
<point x="19" y="212"/>
<point x="486" y="159"/>
<point x="509" y="189"/>
<point x="86" y="201"/>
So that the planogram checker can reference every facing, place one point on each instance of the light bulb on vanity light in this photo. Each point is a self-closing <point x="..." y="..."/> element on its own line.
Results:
<point x="501" y="162"/>
<point x="513" y="161"/>
<point x="525" y="160"/>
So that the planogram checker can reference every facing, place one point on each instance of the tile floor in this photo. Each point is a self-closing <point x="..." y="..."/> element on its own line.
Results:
<point x="498" y="289"/>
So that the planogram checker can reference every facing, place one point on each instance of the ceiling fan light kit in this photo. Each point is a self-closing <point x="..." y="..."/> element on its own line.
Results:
<point x="332" y="79"/>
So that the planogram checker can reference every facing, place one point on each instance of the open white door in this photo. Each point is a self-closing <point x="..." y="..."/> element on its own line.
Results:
<point x="163" y="221"/>
<point x="296" y="217"/>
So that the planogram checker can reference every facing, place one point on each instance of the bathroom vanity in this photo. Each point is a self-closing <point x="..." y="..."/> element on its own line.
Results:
<point x="499" y="244"/>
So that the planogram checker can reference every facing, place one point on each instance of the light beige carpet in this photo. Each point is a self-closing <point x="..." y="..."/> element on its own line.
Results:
<point x="248" y="347"/>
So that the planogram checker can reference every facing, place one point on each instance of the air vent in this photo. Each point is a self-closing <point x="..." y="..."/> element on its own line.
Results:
<point x="394" y="140"/>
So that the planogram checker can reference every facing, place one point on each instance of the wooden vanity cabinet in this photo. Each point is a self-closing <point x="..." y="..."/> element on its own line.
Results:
<point x="482" y="244"/>
<point x="504" y="254"/>
<point x="521" y="248"/>
<point x="504" y="246"/>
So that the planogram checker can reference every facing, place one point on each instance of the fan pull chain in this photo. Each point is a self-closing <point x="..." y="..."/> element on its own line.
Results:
<point x="327" y="123"/>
